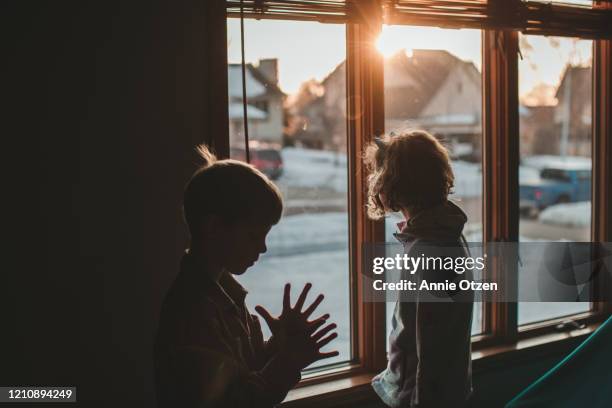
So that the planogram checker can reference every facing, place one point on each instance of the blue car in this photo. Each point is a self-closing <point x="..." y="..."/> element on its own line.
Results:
<point x="561" y="182"/>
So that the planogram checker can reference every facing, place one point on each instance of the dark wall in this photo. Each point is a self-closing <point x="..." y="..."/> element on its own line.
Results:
<point x="104" y="104"/>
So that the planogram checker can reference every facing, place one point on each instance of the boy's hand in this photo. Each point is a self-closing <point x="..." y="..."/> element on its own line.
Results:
<point x="298" y="337"/>
<point x="292" y="320"/>
<point x="302" y="350"/>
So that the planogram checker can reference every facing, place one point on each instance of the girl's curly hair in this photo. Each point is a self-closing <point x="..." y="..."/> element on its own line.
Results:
<point x="408" y="171"/>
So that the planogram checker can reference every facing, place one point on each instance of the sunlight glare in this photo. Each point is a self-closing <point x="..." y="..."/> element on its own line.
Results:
<point x="388" y="44"/>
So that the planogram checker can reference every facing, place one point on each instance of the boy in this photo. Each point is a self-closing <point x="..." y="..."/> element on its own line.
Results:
<point x="430" y="342"/>
<point x="210" y="350"/>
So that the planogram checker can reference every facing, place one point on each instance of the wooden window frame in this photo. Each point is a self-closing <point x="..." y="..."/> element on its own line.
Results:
<point x="349" y="382"/>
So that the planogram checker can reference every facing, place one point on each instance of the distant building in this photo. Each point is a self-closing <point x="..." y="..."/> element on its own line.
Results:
<point x="430" y="89"/>
<point x="573" y="112"/>
<point x="265" y="103"/>
<point x="318" y="112"/>
<point x="436" y="91"/>
<point x="538" y="135"/>
<point x="565" y="127"/>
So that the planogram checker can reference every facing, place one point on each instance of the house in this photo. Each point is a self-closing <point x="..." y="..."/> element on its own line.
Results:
<point x="453" y="102"/>
<point x="561" y="126"/>
<point x="265" y="102"/>
<point x="572" y="116"/>
<point x="537" y="131"/>
<point x="432" y="89"/>
<point x="318" y="112"/>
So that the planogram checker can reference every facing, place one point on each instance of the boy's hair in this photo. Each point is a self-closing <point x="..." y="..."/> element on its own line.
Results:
<point x="232" y="190"/>
<point x="412" y="170"/>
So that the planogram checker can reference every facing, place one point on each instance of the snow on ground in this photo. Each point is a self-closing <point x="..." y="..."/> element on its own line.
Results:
<point x="468" y="179"/>
<point x="304" y="233"/>
<point x="568" y="214"/>
<point x="314" y="168"/>
<point x="326" y="169"/>
<point x="528" y="174"/>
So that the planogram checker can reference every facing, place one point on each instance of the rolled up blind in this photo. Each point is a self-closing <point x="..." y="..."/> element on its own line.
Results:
<point x="440" y="13"/>
<point x="321" y="10"/>
<point x="530" y="17"/>
<point x="552" y="19"/>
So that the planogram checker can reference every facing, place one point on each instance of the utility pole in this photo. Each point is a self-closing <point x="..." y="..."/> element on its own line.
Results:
<point x="567" y="112"/>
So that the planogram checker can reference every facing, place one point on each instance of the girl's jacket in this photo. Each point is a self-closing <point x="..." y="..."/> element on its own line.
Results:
<point x="429" y="360"/>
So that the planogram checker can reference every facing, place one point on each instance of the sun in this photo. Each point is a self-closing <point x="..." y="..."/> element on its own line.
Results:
<point x="389" y="44"/>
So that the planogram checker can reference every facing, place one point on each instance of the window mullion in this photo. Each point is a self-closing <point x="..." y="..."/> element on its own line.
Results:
<point x="365" y="119"/>
<point x="602" y="151"/>
<point x="500" y="169"/>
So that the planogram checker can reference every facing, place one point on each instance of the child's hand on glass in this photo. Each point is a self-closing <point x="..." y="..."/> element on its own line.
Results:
<point x="293" y="331"/>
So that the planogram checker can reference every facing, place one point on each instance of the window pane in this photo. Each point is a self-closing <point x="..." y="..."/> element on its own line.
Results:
<point x="296" y="95"/>
<point x="555" y="150"/>
<point x="433" y="82"/>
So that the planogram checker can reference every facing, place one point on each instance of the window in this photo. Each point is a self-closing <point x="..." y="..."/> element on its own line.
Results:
<point x="296" y="104"/>
<point x="555" y="91"/>
<point x="514" y="109"/>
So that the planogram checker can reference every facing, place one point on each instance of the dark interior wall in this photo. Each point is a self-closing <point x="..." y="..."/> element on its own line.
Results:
<point x="104" y="104"/>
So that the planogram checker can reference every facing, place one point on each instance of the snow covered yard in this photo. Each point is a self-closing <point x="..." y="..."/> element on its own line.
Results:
<point x="568" y="215"/>
<point x="316" y="169"/>
<point x="326" y="170"/>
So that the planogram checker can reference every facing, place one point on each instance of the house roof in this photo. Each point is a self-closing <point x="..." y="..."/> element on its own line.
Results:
<point x="236" y="112"/>
<point x="576" y="84"/>
<point x="257" y="83"/>
<point x="581" y="78"/>
<point x="410" y="82"/>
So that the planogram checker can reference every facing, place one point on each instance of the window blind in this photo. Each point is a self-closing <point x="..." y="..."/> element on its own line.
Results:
<point x="321" y="10"/>
<point x="530" y="17"/>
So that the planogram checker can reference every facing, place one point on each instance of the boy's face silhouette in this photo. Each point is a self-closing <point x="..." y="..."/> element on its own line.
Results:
<point x="241" y="243"/>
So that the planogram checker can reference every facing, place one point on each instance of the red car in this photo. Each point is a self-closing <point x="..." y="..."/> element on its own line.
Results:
<point x="268" y="160"/>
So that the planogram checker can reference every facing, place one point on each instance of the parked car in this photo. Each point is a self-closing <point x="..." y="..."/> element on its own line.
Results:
<point x="265" y="158"/>
<point x="563" y="182"/>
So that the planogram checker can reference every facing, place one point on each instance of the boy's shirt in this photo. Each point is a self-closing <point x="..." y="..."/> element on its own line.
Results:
<point x="210" y="350"/>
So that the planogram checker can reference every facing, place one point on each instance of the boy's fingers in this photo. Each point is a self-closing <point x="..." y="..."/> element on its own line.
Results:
<point x="300" y="302"/>
<point x="328" y="354"/>
<point x="314" y="305"/>
<point x="265" y="314"/>
<point x="315" y="324"/>
<point x="319" y="335"/>
<point x="287" y="297"/>
<point x="326" y="340"/>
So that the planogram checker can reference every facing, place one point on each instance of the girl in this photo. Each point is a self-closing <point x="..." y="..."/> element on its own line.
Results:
<point x="430" y="342"/>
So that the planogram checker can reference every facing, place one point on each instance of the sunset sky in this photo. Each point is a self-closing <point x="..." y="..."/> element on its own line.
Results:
<point x="311" y="50"/>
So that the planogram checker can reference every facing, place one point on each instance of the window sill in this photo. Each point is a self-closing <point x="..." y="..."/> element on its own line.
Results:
<point x="342" y="391"/>
<point x="530" y="347"/>
<point x="356" y="389"/>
